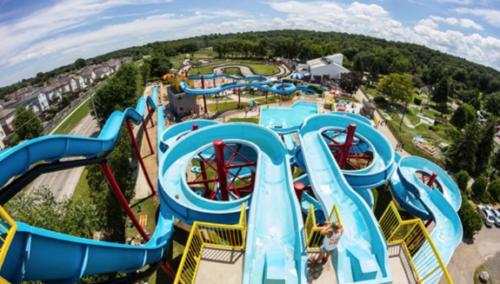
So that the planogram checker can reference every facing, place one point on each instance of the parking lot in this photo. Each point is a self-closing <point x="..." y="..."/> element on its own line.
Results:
<point x="470" y="255"/>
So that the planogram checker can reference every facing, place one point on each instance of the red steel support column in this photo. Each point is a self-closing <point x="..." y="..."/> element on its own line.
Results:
<point x="139" y="157"/>
<point x="221" y="168"/>
<point x="147" y="135"/>
<point x="299" y="188"/>
<point x="150" y="116"/>
<point x="202" y="167"/>
<point x="266" y="97"/>
<point x="123" y="202"/>
<point x="239" y="99"/>
<point x="351" y="129"/>
<point x="204" y="97"/>
<point x="432" y="178"/>
<point x="121" y="198"/>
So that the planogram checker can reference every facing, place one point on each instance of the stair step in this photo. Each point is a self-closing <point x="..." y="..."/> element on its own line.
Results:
<point x="275" y="272"/>
<point x="364" y="264"/>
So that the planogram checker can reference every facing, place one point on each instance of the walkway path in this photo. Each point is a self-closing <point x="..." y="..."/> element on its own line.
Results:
<point x="382" y="128"/>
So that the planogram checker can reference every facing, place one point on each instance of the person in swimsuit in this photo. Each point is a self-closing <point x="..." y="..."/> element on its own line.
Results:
<point x="332" y="235"/>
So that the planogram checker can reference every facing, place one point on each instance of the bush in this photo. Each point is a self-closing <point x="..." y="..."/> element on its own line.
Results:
<point x="494" y="190"/>
<point x="479" y="186"/>
<point x="471" y="220"/>
<point x="290" y="81"/>
<point x="417" y="101"/>
<point x="462" y="179"/>
<point x="380" y="100"/>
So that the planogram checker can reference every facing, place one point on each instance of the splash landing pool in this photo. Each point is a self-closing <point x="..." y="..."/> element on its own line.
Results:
<point x="286" y="119"/>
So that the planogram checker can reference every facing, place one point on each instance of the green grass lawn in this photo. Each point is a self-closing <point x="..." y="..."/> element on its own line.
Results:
<point x="225" y="106"/>
<point x="82" y="190"/>
<point x="264" y="70"/>
<point x="149" y="207"/>
<point x="200" y="71"/>
<point x="249" y="120"/>
<point x="234" y="71"/>
<point x="382" y="199"/>
<point x="68" y="125"/>
<point x="210" y="52"/>
<point x="176" y="63"/>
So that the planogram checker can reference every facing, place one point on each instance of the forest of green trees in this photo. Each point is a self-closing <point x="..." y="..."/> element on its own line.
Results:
<point x="364" y="53"/>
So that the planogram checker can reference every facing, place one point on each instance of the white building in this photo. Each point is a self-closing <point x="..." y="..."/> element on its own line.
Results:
<point x="3" y="134"/>
<point x="329" y="66"/>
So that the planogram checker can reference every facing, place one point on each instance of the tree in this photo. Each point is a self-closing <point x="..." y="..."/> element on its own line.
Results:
<point x="40" y="208"/>
<point x="471" y="220"/>
<point x="27" y="125"/>
<point x="494" y="189"/>
<point x="495" y="162"/>
<point x="442" y="92"/>
<point x="108" y="207"/>
<point x="315" y="51"/>
<point x="145" y="71"/>
<point x="160" y="65"/>
<point x="80" y="63"/>
<point x="461" y="155"/>
<point x="65" y="101"/>
<point x="493" y="103"/>
<point x="485" y="147"/>
<point x="351" y="81"/>
<point x="464" y="115"/>
<point x="479" y="186"/>
<point x="462" y="180"/>
<point x="398" y="87"/>
<point x="400" y="65"/>
<point x="118" y="93"/>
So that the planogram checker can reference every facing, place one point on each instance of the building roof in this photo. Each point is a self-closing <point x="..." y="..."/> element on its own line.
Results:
<point x="6" y="112"/>
<point x="326" y="60"/>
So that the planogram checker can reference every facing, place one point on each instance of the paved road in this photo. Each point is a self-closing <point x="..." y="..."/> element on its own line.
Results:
<point x="63" y="183"/>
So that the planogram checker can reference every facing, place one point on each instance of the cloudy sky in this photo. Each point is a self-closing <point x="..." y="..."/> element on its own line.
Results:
<point x="45" y="34"/>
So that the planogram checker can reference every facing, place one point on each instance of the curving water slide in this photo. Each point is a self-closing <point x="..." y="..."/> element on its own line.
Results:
<point x="257" y="81"/>
<point x="37" y="254"/>
<point x="275" y="245"/>
<point x="362" y="252"/>
<point x="440" y="202"/>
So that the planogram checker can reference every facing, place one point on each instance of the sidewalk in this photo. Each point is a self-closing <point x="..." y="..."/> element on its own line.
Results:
<point x="384" y="129"/>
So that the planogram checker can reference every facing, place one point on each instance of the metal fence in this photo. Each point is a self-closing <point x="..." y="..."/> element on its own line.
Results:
<point x="213" y="235"/>
<point x="7" y="231"/>
<point x="314" y="239"/>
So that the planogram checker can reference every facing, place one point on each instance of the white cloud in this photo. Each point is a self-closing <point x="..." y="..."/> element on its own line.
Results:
<point x="490" y="15"/>
<point x="464" y="23"/>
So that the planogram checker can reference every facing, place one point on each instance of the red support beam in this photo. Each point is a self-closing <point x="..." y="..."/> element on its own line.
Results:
<point x="266" y="97"/>
<point x="344" y="152"/>
<point x="204" y="175"/>
<point x="139" y="157"/>
<point x="204" y="97"/>
<point x="432" y="178"/>
<point x="239" y="99"/>
<point x="299" y="188"/>
<point x="150" y="115"/>
<point x="221" y="168"/>
<point x="147" y="136"/>
<point x="124" y="204"/>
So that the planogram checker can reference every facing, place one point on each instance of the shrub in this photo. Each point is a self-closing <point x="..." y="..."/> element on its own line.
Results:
<point x="462" y="179"/>
<point x="471" y="220"/>
<point x="479" y="186"/>
<point x="380" y="100"/>
<point x="494" y="190"/>
<point x="417" y="101"/>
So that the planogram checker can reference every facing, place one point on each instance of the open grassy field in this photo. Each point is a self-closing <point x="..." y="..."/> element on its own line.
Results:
<point x="264" y="70"/>
<point x="225" y="106"/>
<point x="200" y="71"/>
<point x="233" y="71"/>
<point x="249" y="120"/>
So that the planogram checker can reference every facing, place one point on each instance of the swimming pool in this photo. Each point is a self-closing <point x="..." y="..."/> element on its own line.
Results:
<point x="286" y="119"/>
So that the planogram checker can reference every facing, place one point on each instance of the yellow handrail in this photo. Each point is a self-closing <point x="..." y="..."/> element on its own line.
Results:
<point x="313" y="232"/>
<point x="416" y="241"/>
<point x="9" y="235"/>
<point x="213" y="235"/>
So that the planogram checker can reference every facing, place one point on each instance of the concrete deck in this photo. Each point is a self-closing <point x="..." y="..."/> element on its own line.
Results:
<point x="220" y="266"/>
<point x="401" y="268"/>
<point x="319" y="273"/>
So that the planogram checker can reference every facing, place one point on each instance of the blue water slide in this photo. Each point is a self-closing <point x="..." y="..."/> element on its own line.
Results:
<point x="362" y="255"/>
<point x="37" y="254"/>
<point x="275" y="247"/>
<point x="256" y="81"/>
<point x="441" y="203"/>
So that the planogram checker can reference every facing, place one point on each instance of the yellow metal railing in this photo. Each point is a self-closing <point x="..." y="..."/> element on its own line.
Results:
<point x="314" y="239"/>
<point x="212" y="235"/>
<point x="7" y="231"/>
<point x="416" y="241"/>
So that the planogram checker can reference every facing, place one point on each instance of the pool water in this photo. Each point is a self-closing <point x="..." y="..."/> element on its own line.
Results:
<point x="285" y="119"/>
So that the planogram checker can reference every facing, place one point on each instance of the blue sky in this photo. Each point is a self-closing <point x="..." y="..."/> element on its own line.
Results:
<point x="42" y="35"/>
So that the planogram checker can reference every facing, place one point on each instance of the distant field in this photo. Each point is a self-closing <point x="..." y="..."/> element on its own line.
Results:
<point x="249" y="120"/>
<point x="264" y="70"/>
<point x="233" y="71"/>
<point x="200" y="71"/>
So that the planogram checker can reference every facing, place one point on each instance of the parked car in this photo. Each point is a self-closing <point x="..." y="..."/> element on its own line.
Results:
<point x="495" y="213"/>
<point x="486" y="215"/>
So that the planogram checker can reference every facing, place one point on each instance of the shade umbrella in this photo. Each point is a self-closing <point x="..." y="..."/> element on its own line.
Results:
<point x="337" y="93"/>
<point x="341" y="108"/>
<point x="296" y="76"/>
